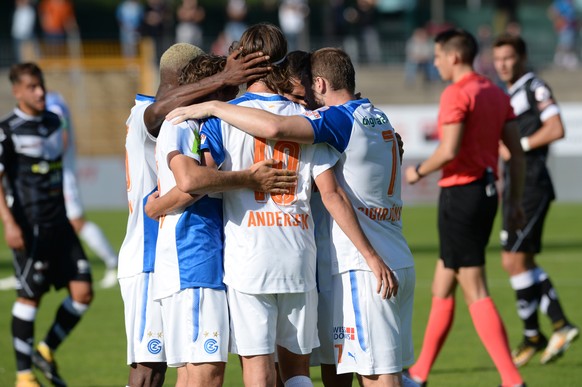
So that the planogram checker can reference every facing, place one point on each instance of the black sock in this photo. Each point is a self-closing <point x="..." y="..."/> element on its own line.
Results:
<point x="550" y="305"/>
<point x="23" y="316"/>
<point x="68" y="315"/>
<point x="528" y="293"/>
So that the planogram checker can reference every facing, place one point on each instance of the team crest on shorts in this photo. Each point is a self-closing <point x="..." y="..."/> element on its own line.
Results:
<point x="155" y="346"/>
<point x="211" y="346"/>
<point x="344" y="333"/>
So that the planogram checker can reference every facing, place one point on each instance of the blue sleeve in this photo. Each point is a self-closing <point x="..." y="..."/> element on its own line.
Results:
<point x="332" y="126"/>
<point x="211" y="139"/>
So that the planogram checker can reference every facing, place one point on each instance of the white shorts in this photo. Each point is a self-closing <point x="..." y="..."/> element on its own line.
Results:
<point x="196" y="326"/>
<point x="259" y="322"/>
<point x="372" y="336"/>
<point x="143" y="320"/>
<point x="325" y="354"/>
<point x="73" y="203"/>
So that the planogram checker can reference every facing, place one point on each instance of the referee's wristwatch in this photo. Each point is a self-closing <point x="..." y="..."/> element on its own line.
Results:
<point x="417" y="170"/>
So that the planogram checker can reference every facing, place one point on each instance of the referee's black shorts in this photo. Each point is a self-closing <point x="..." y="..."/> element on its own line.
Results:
<point x="465" y="221"/>
<point x="53" y="256"/>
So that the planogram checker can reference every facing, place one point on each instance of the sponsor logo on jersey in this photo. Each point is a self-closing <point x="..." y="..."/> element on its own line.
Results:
<point x="277" y="219"/>
<point x="373" y="121"/>
<point x="344" y="333"/>
<point x="314" y="115"/>
<point x="211" y="346"/>
<point x="382" y="214"/>
<point x="154" y="346"/>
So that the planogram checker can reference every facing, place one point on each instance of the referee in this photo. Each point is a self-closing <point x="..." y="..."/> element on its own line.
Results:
<point x="474" y="115"/>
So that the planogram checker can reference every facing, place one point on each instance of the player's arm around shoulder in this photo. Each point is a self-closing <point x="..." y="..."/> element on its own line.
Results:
<point x="340" y="208"/>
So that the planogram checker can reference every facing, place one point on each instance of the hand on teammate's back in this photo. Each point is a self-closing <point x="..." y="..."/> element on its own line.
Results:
<point x="267" y="178"/>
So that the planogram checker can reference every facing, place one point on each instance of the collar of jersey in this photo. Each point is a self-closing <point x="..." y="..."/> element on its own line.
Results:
<point x="25" y="116"/>
<point x="258" y="96"/>
<point x="143" y="97"/>
<point x="353" y="104"/>
<point x="520" y="82"/>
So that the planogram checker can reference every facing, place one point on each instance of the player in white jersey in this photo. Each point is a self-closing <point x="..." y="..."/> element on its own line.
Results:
<point x="189" y="266"/>
<point x="142" y="316"/>
<point x="369" y="171"/>
<point x="269" y="243"/>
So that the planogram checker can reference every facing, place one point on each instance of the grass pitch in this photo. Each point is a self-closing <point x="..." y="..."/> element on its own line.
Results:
<point x="94" y="355"/>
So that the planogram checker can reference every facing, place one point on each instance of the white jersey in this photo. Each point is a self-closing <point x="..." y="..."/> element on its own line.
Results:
<point x="137" y="251"/>
<point x="369" y="171"/>
<point x="269" y="239"/>
<point x="56" y="104"/>
<point x="189" y="247"/>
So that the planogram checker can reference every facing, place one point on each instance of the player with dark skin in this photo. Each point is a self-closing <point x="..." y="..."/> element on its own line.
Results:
<point x="170" y="94"/>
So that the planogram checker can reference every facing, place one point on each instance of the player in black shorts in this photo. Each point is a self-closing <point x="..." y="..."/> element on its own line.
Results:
<point x="46" y="249"/>
<point x="540" y="124"/>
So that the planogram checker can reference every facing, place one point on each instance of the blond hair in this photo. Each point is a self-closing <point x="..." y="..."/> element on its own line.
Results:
<point x="176" y="57"/>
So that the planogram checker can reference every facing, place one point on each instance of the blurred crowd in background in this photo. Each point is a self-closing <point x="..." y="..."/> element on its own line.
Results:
<point x="371" y="31"/>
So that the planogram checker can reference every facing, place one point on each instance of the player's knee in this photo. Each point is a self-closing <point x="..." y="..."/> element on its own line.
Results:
<point x="83" y="298"/>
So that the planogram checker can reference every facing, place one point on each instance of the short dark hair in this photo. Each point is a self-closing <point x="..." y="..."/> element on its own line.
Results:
<point x="460" y="41"/>
<point x="336" y="66"/>
<point x="516" y="42"/>
<point x="28" y="68"/>
<point x="298" y="63"/>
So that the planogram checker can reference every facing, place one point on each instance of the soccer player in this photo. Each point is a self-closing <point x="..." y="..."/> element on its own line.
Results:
<point x="188" y="267"/>
<point x="368" y="171"/>
<point x="46" y="249"/>
<point x="89" y="232"/>
<point x="474" y="116"/>
<point x="137" y="253"/>
<point x="540" y="124"/>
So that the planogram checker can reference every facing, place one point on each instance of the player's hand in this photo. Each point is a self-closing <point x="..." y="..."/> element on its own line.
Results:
<point x="411" y="175"/>
<point x="13" y="236"/>
<point x="400" y="145"/>
<point x="516" y="220"/>
<point x="387" y="285"/>
<point x="243" y="69"/>
<point x="150" y="205"/>
<point x="265" y="178"/>
<point x="193" y="112"/>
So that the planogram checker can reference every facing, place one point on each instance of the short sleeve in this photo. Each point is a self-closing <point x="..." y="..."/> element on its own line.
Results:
<point x="211" y="139"/>
<point x="453" y="107"/>
<point x="332" y="126"/>
<point x="325" y="157"/>
<point x="183" y="138"/>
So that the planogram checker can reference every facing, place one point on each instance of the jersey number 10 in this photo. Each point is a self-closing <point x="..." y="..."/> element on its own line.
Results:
<point x="286" y="153"/>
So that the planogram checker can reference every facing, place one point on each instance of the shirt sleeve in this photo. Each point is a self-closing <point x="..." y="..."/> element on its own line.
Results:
<point x="453" y="106"/>
<point x="211" y="139"/>
<point x="544" y="99"/>
<point x="325" y="157"/>
<point x="332" y="126"/>
<point x="3" y="140"/>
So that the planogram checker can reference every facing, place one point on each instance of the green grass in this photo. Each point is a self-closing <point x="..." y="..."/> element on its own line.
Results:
<point x="94" y="355"/>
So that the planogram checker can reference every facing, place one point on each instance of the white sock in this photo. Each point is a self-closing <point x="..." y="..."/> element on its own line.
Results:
<point x="299" y="381"/>
<point x="96" y="240"/>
